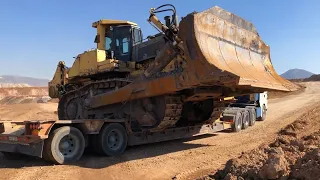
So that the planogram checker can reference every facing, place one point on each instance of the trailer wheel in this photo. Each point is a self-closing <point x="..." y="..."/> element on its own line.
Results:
<point x="112" y="140"/>
<point x="45" y="155"/>
<point x="237" y="125"/>
<point x="245" y="120"/>
<point x="65" y="145"/>
<point x="264" y="113"/>
<point x="252" y="117"/>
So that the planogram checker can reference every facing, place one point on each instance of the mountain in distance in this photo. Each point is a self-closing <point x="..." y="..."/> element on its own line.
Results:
<point x="21" y="81"/>
<point x="297" y="74"/>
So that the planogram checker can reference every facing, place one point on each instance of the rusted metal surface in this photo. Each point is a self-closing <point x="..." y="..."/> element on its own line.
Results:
<point x="162" y="60"/>
<point x="136" y="90"/>
<point x="222" y="45"/>
<point x="220" y="49"/>
<point x="34" y="149"/>
<point x="174" y="133"/>
<point x="214" y="54"/>
<point x="20" y="139"/>
<point x="33" y="145"/>
<point x="92" y="127"/>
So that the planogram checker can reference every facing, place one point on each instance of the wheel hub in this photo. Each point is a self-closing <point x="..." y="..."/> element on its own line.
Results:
<point x="64" y="145"/>
<point x="114" y="139"/>
<point x="239" y="126"/>
<point x="67" y="146"/>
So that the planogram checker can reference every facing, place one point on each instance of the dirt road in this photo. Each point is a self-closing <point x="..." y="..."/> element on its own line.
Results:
<point x="180" y="159"/>
<point x="33" y="111"/>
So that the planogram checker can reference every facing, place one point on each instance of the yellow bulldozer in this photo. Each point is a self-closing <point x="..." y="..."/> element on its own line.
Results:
<point x="185" y="69"/>
<point x="131" y="90"/>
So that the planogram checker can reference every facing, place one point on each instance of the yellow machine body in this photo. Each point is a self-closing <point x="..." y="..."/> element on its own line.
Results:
<point x="204" y="59"/>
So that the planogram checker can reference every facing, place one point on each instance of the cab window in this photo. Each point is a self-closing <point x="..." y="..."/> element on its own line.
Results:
<point x="108" y="43"/>
<point x="137" y="36"/>
<point x="125" y="46"/>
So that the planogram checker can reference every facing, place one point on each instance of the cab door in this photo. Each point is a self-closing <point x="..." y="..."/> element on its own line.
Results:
<point x="122" y="42"/>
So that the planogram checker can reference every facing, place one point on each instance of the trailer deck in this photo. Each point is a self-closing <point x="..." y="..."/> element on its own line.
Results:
<point x="20" y="139"/>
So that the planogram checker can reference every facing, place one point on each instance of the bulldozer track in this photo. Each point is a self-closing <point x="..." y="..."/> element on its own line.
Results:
<point x="80" y="94"/>
<point x="172" y="112"/>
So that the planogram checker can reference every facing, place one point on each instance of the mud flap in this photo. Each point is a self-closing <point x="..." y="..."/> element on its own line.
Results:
<point x="34" y="149"/>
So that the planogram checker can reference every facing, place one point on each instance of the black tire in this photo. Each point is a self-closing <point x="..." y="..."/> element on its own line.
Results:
<point x="45" y="156"/>
<point x="264" y="113"/>
<point x="73" y="140"/>
<point x="253" y="117"/>
<point x="237" y="125"/>
<point x="112" y="140"/>
<point x="245" y="119"/>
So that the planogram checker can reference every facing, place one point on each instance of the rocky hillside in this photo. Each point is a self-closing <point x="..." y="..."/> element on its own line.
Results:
<point x="315" y="77"/>
<point x="21" y="95"/>
<point x="296" y="74"/>
<point x="20" y="81"/>
<point x="13" y="85"/>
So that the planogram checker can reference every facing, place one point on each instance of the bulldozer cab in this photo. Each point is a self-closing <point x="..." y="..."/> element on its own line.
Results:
<point x="117" y="38"/>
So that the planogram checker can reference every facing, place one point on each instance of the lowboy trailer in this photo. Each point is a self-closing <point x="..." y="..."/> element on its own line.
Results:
<point x="64" y="141"/>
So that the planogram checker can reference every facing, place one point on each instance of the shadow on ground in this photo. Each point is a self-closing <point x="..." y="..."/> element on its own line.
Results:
<point x="90" y="160"/>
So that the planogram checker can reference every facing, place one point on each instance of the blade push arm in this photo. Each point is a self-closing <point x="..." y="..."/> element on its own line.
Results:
<point x="171" y="49"/>
<point x="170" y="29"/>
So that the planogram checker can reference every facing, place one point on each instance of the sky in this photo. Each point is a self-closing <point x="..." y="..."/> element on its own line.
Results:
<point x="36" y="34"/>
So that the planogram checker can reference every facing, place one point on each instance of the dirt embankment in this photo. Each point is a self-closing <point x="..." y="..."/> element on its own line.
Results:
<point x="13" y="85"/>
<point x="280" y="94"/>
<point x="295" y="154"/>
<point x="23" y="95"/>
<point x="315" y="77"/>
<point x="24" y="91"/>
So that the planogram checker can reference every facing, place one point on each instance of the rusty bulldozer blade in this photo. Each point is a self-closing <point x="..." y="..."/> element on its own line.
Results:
<point x="222" y="54"/>
<point x="228" y="49"/>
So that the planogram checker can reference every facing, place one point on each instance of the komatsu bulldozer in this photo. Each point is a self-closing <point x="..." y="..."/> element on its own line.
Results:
<point x="132" y="90"/>
<point x="176" y="75"/>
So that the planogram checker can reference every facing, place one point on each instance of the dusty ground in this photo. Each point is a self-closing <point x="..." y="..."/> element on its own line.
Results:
<point x="180" y="159"/>
<point x="34" y="111"/>
<point x="295" y="154"/>
<point x="280" y="94"/>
